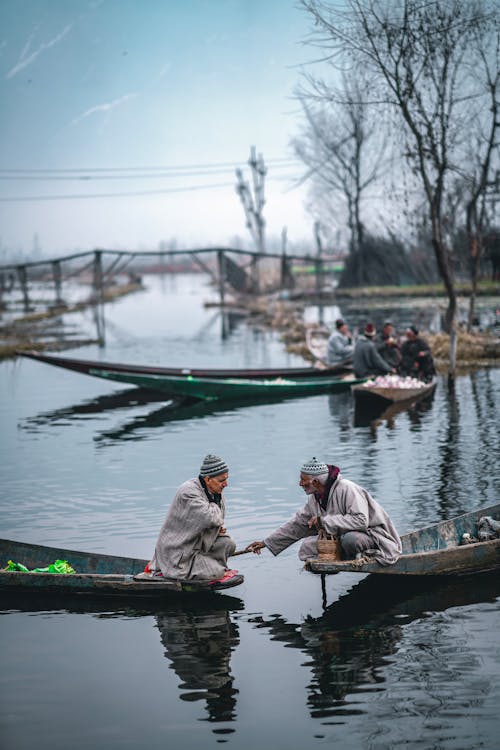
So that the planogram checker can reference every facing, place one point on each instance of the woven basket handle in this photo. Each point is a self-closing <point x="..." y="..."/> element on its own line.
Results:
<point x="323" y="534"/>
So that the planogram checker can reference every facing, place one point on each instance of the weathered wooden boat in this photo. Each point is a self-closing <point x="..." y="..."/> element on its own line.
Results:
<point x="96" y="574"/>
<point x="431" y="551"/>
<point x="369" y="393"/>
<point x="212" y="384"/>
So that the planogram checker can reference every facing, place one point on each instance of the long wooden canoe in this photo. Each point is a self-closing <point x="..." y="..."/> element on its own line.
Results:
<point x="241" y="385"/>
<point x="431" y="551"/>
<point x="88" y="366"/>
<point x="368" y="393"/>
<point x="96" y="574"/>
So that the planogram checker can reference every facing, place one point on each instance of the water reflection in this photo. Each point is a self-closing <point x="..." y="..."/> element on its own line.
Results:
<point x="172" y="410"/>
<point x="449" y="480"/>
<point x="130" y="398"/>
<point x="197" y="633"/>
<point x="199" y="643"/>
<point x="357" y="634"/>
<point x="374" y="416"/>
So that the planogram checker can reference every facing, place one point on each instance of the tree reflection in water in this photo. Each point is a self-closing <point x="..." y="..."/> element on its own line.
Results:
<point x="198" y="642"/>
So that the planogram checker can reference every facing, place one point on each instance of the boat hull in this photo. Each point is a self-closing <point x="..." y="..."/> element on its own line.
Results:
<point x="96" y="575"/>
<point x="432" y="551"/>
<point x="213" y="384"/>
<point x="232" y="388"/>
<point x="367" y="395"/>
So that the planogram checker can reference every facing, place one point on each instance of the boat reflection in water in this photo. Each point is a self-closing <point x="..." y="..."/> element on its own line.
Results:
<point x="373" y="414"/>
<point x="199" y="642"/>
<point x="197" y="633"/>
<point x="354" y="637"/>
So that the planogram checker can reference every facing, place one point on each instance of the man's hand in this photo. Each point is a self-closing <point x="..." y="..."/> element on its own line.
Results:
<point x="255" y="547"/>
<point x="315" y="522"/>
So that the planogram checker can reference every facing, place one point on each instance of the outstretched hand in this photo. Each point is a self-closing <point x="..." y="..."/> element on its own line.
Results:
<point x="255" y="547"/>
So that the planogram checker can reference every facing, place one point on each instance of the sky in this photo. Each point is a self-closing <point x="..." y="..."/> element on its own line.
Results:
<point x="122" y="121"/>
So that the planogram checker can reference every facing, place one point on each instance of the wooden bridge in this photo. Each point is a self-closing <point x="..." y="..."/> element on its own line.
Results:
<point x="244" y="271"/>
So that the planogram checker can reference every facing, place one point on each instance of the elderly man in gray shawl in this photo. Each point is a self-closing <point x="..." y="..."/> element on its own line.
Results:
<point x="193" y="543"/>
<point x="341" y="507"/>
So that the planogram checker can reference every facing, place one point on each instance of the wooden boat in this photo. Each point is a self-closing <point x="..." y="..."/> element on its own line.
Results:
<point x="212" y="384"/>
<point x="96" y="574"/>
<point x="86" y="366"/>
<point x="316" y="342"/>
<point x="432" y="551"/>
<point x="368" y="393"/>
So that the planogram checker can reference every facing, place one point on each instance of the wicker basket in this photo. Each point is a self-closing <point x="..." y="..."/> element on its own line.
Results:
<point x="328" y="546"/>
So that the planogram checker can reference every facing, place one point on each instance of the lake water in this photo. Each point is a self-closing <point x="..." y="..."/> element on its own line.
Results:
<point x="88" y="464"/>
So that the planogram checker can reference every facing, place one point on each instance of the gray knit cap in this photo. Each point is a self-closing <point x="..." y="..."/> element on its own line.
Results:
<point x="314" y="467"/>
<point x="212" y="466"/>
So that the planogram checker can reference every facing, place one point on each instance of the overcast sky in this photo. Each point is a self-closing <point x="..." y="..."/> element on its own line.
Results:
<point x="131" y="85"/>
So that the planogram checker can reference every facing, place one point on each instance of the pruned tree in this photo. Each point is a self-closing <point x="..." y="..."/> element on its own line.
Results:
<point x="418" y="53"/>
<point x="253" y="202"/>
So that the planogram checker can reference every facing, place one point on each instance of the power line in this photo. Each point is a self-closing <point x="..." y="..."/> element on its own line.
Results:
<point x="86" y="196"/>
<point x="224" y="166"/>
<point x="25" y="176"/>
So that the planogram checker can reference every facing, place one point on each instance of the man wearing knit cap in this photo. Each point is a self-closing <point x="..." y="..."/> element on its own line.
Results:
<point x="340" y="507"/>
<point x="366" y="359"/>
<point x="193" y="543"/>
<point x="340" y="346"/>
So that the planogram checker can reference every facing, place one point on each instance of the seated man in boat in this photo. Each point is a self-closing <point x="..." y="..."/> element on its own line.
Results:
<point x="193" y="543"/>
<point x="342" y="508"/>
<point x="366" y="359"/>
<point x="388" y="347"/>
<point x="340" y="346"/>
<point x="416" y="357"/>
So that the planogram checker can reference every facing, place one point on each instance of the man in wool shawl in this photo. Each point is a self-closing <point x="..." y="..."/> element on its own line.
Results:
<point x="193" y="543"/>
<point x="342" y="508"/>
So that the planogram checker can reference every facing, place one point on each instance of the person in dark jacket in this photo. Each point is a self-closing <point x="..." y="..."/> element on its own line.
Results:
<point x="366" y="359"/>
<point x="388" y="347"/>
<point x="416" y="357"/>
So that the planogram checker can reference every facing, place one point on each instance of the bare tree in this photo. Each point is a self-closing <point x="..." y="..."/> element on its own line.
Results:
<point x="336" y="146"/>
<point x="482" y="175"/>
<point x="417" y="52"/>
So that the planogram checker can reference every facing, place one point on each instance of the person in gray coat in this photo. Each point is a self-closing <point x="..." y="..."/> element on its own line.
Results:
<point x="340" y="346"/>
<point x="340" y="507"/>
<point x="366" y="359"/>
<point x="193" y="543"/>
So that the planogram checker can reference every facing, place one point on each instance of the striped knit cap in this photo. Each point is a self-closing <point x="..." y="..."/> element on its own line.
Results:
<point x="314" y="467"/>
<point x="212" y="466"/>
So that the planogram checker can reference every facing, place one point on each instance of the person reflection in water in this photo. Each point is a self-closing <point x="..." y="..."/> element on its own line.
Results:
<point x="340" y="507"/>
<point x="193" y="543"/>
<point x="199" y="646"/>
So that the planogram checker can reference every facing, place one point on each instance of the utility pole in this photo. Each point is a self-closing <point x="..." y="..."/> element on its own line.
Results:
<point x="253" y="204"/>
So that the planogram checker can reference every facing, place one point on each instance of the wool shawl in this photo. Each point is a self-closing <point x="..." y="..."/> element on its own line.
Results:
<point x="349" y="508"/>
<point x="189" y="544"/>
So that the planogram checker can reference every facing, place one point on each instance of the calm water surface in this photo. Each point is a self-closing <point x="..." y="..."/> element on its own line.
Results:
<point x="93" y="465"/>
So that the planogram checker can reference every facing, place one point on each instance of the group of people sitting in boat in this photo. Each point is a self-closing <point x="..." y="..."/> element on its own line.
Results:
<point x="193" y="543"/>
<point x="380" y="354"/>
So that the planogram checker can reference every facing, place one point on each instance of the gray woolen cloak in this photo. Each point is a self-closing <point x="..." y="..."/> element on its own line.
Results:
<point x="189" y="545"/>
<point x="349" y="508"/>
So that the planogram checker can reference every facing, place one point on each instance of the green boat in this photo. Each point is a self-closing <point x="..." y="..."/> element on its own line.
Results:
<point x="233" y="385"/>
